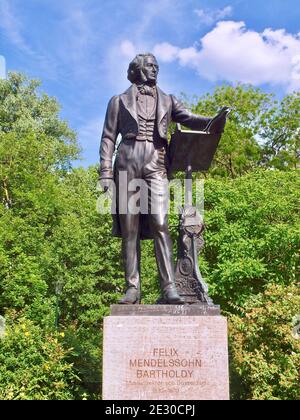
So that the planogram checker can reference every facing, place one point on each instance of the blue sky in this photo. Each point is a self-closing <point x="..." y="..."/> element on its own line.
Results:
<point x="80" y="49"/>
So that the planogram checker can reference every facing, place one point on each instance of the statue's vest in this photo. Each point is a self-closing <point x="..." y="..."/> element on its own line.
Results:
<point x="147" y="109"/>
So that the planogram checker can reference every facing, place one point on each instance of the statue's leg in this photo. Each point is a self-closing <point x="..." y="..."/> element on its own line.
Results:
<point x="131" y="257"/>
<point x="127" y="170"/>
<point x="155" y="174"/>
<point x="158" y="219"/>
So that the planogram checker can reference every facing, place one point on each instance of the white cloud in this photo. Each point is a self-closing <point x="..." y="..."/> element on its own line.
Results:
<point x="210" y="16"/>
<point x="11" y="24"/>
<point x="234" y="53"/>
<point x="128" y="49"/>
<point x="166" y="52"/>
<point x="2" y="67"/>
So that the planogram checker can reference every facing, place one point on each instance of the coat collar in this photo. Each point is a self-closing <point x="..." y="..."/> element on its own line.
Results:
<point x="129" y="100"/>
<point x="163" y="104"/>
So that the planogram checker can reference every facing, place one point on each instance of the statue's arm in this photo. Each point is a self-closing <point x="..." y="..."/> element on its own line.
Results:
<point x="109" y="137"/>
<point x="183" y="116"/>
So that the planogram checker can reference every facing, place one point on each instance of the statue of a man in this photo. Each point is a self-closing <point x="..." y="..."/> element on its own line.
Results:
<point x="142" y="116"/>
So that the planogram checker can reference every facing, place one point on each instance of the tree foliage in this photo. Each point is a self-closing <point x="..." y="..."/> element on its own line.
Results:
<point x="260" y="131"/>
<point x="34" y="364"/>
<point x="281" y="134"/>
<point x="265" y="354"/>
<point x="252" y="234"/>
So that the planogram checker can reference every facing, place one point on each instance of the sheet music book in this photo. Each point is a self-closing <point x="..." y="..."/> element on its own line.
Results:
<point x="195" y="148"/>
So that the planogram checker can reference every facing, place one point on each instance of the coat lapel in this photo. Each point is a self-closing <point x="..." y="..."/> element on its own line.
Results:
<point x="162" y="105"/>
<point x="129" y="100"/>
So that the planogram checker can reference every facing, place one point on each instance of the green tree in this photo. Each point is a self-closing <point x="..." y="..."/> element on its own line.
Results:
<point x="33" y="139"/>
<point x="239" y="151"/>
<point x="265" y="353"/>
<point x="252" y="236"/>
<point x="34" y="364"/>
<point x="281" y="134"/>
<point x="24" y="108"/>
<point x="36" y="148"/>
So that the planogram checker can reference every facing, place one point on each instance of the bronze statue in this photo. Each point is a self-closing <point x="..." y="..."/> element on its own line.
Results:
<point x="142" y="116"/>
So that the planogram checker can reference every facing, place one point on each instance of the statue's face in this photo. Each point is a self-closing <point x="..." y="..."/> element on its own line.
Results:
<point x="150" y="69"/>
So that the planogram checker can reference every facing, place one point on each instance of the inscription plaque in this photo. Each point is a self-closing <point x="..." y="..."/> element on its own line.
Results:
<point x="165" y="358"/>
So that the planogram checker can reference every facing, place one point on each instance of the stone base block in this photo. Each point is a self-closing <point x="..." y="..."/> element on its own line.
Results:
<point x="200" y="309"/>
<point x="165" y="358"/>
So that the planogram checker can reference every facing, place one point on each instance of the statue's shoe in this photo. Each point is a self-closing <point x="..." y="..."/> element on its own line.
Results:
<point x="131" y="297"/>
<point x="171" y="297"/>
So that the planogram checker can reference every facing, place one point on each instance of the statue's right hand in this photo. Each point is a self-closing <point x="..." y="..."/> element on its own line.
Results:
<point x="106" y="184"/>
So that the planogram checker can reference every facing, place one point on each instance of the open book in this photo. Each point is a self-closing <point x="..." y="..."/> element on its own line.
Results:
<point x="196" y="148"/>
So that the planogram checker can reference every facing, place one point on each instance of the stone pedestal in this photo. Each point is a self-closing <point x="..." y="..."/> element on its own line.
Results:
<point x="165" y="353"/>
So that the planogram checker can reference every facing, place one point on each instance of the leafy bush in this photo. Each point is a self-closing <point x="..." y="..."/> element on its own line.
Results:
<point x="252" y="236"/>
<point x="34" y="364"/>
<point x="265" y="355"/>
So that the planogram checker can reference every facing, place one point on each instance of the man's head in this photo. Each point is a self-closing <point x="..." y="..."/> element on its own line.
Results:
<point x="143" y="69"/>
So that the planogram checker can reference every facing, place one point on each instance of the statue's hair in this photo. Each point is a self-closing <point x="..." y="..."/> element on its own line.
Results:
<point x="134" y="73"/>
